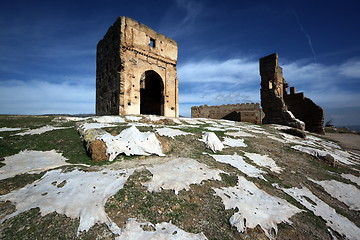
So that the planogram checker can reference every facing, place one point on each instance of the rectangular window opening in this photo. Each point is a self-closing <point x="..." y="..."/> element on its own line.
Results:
<point x="152" y="42"/>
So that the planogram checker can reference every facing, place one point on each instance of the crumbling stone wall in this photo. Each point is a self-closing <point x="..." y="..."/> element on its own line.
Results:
<point x="245" y="112"/>
<point x="281" y="108"/>
<point x="136" y="71"/>
<point x="306" y="110"/>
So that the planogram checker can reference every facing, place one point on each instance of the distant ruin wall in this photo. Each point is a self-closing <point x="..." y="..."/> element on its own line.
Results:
<point x="245" y="112"/>
<point x="279" y="107"/>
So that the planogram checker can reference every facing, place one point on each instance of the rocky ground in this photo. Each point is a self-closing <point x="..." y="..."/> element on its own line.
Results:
<point x="173" y="179"/>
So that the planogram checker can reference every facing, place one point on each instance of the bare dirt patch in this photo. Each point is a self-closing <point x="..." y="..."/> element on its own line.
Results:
<point x="349" y="141"/>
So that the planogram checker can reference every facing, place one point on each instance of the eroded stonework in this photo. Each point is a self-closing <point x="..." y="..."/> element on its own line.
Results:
<point x="245" y="112"/>
<point x="136" y="71"/>
<point x="292" y="109"/>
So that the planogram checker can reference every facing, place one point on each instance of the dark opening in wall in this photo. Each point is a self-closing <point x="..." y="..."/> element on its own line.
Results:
<point x="152" y="42"/>
<point x="151" y="94"/>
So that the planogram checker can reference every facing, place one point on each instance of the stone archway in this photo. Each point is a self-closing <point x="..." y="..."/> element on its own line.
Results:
<point x="151" y="94"/>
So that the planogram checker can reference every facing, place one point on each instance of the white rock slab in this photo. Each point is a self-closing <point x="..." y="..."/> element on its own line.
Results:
<point x="176" y="120"/>
<point x="297" y="140"/>
<point x="227" y="122"/>
<point x="237" y="128"/>
<point x="169" y="132"/>
<point x="215" y="129"/>
<point x="163" y="231"/>
<point x="335" y="221"/>
<point x="339" y="156"/>
<point x="220" y="125"/>
<point x="178" y="174"/>
<point x="256" y="207"/>
<point x="300" y="123"/>
<point x="109" y="119"/>
<point x="252" y="126"/>
<point x="239" y="134"/>
<point x="264" y="161"/>
<point x="323" y="142"/>
<point x="182" y="126"/>
<point x="31" y="162"/>
<point x="352" y="178"/>
<point x="6" y="129"/>
<point x="69" y="119"/>
<point x="206" y="120"/>
<point x="141" y="124"/>
<point x="277" y="139"/>
<point x="76" y="119"/>
<point x="133" y="118"/>
<point x="76" y="194"/>
<point x="280" y="127"/>
<point x="346" y="193"/>
<point x="131" y="142"/>
<point x="212" y="141"/>
<point x="231" y="142"/>
<point x="262" y="131"/>
<point x="88" y="126"/>
<point x="191" y="121"/>
<point x="40" y="130"/>
<point x="239" y="163"/>
<point x="154" y="118"/>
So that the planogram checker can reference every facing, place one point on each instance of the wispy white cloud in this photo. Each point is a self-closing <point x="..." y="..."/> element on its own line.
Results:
<point x="228" y="71"/>
<point x="335" y="98"/>
<point x="182" y="25"/>
<point x="219" y="97"/>
<point x="192" y="9"/>
<point x="350" y="68"/>
<point x="315" y="75"/>
<point x="40" y="97"/>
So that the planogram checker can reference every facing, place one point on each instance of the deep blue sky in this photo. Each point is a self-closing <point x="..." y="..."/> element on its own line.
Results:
<point x="47" y="51"/>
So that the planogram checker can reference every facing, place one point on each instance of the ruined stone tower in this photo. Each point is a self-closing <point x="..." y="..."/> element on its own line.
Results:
<point x="136" y="71"/>
<point x="292" y="109"/>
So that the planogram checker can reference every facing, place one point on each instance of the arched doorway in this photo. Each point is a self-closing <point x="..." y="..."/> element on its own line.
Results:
<point x="151" y="94"/>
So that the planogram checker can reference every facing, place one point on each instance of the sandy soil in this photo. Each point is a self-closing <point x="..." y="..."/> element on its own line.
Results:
<point x="349" y="141"/>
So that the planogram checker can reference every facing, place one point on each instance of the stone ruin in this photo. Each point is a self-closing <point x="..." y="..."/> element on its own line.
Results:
<point x="136" y="71"/>
<point x="245" y="112"/>
<point x="294" y="109"/>
<point x="136" y="74"/>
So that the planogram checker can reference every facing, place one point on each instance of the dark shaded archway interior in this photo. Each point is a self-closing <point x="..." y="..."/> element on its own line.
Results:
<point x="151" y="94"/>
